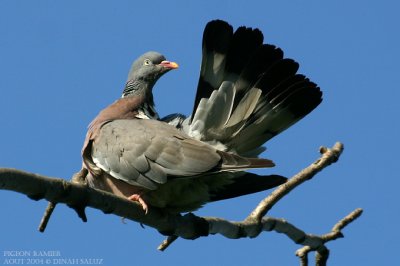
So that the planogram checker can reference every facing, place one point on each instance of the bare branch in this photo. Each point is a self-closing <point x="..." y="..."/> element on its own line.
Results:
<point x="328" y="157"/>
<point x="322" y="253"/>
<point x="321" y="256"/>
<point x="304" y="260"/>
<point x="78" y="196"/>
<point x="189" y="226"/>
<point x="79" y="178"/>
<point x="248" y="228"/>
<point x="346" y="220"/>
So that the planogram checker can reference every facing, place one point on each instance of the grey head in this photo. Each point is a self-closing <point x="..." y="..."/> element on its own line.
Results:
<point x="144" y="73"/>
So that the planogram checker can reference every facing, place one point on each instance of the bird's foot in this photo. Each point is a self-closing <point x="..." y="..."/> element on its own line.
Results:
<point x="138" y="198"/>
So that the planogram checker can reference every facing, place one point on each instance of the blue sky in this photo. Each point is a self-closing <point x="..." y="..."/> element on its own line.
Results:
<point x="63" y="61"/>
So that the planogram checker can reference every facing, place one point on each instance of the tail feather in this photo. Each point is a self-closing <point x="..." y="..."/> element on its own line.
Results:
<point x="216" y="39"/>
<point x="213" y="113"/>
<point x="245" y="107"/>
<point x="265" y="56"/>
<point x="247" y="92"/>
<point x="244" y="44"/>
<point x="231" y="161"/>
<point x="246" y="183"/>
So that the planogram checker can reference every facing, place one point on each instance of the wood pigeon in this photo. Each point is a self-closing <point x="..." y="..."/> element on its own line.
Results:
<point x="247" y="93"/>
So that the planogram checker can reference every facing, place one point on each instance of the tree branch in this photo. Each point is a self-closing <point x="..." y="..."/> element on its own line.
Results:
<point x="79" y="196"/>
<point x="328" y="157"/>
<point x="188" y="226"/>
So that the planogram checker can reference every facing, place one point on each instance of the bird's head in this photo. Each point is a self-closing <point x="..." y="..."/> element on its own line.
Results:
<point x="145" y="71"/>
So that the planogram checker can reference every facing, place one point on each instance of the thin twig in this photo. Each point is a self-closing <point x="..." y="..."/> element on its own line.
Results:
<point x="321" y="256"/>
<point x="168" y="241"/>
<point x="304" y="260"/>
<point x="346" y="220"/>
<point x="322" y="253"/>
<point x="46" y="216"/>
<point x="328" y="157"/>
<point x="78" y="178"/>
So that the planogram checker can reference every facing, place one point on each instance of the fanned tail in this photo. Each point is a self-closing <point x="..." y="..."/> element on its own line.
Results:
<point x="247" y="91"/>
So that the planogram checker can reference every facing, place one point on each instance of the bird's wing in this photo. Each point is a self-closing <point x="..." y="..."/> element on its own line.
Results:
<point x="145" y="153"/>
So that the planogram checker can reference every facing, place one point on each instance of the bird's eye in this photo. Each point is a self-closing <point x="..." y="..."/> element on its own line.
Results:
<point x="147" y="62"/>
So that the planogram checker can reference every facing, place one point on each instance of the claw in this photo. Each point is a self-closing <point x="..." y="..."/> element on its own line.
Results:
<point x="138" y="198"/>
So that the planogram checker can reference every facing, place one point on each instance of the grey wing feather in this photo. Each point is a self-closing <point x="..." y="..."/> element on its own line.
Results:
<point x="145" y="152"/>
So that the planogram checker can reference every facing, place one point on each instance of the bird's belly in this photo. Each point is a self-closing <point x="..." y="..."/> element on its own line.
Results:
<point x="179" y="195"/>
<point x="110" y="184"/>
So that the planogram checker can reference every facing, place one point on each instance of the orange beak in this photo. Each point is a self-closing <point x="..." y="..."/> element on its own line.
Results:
<point x="169" y="64"/>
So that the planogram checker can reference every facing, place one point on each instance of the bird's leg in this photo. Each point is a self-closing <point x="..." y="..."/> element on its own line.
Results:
<point x="138" y="198"/>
